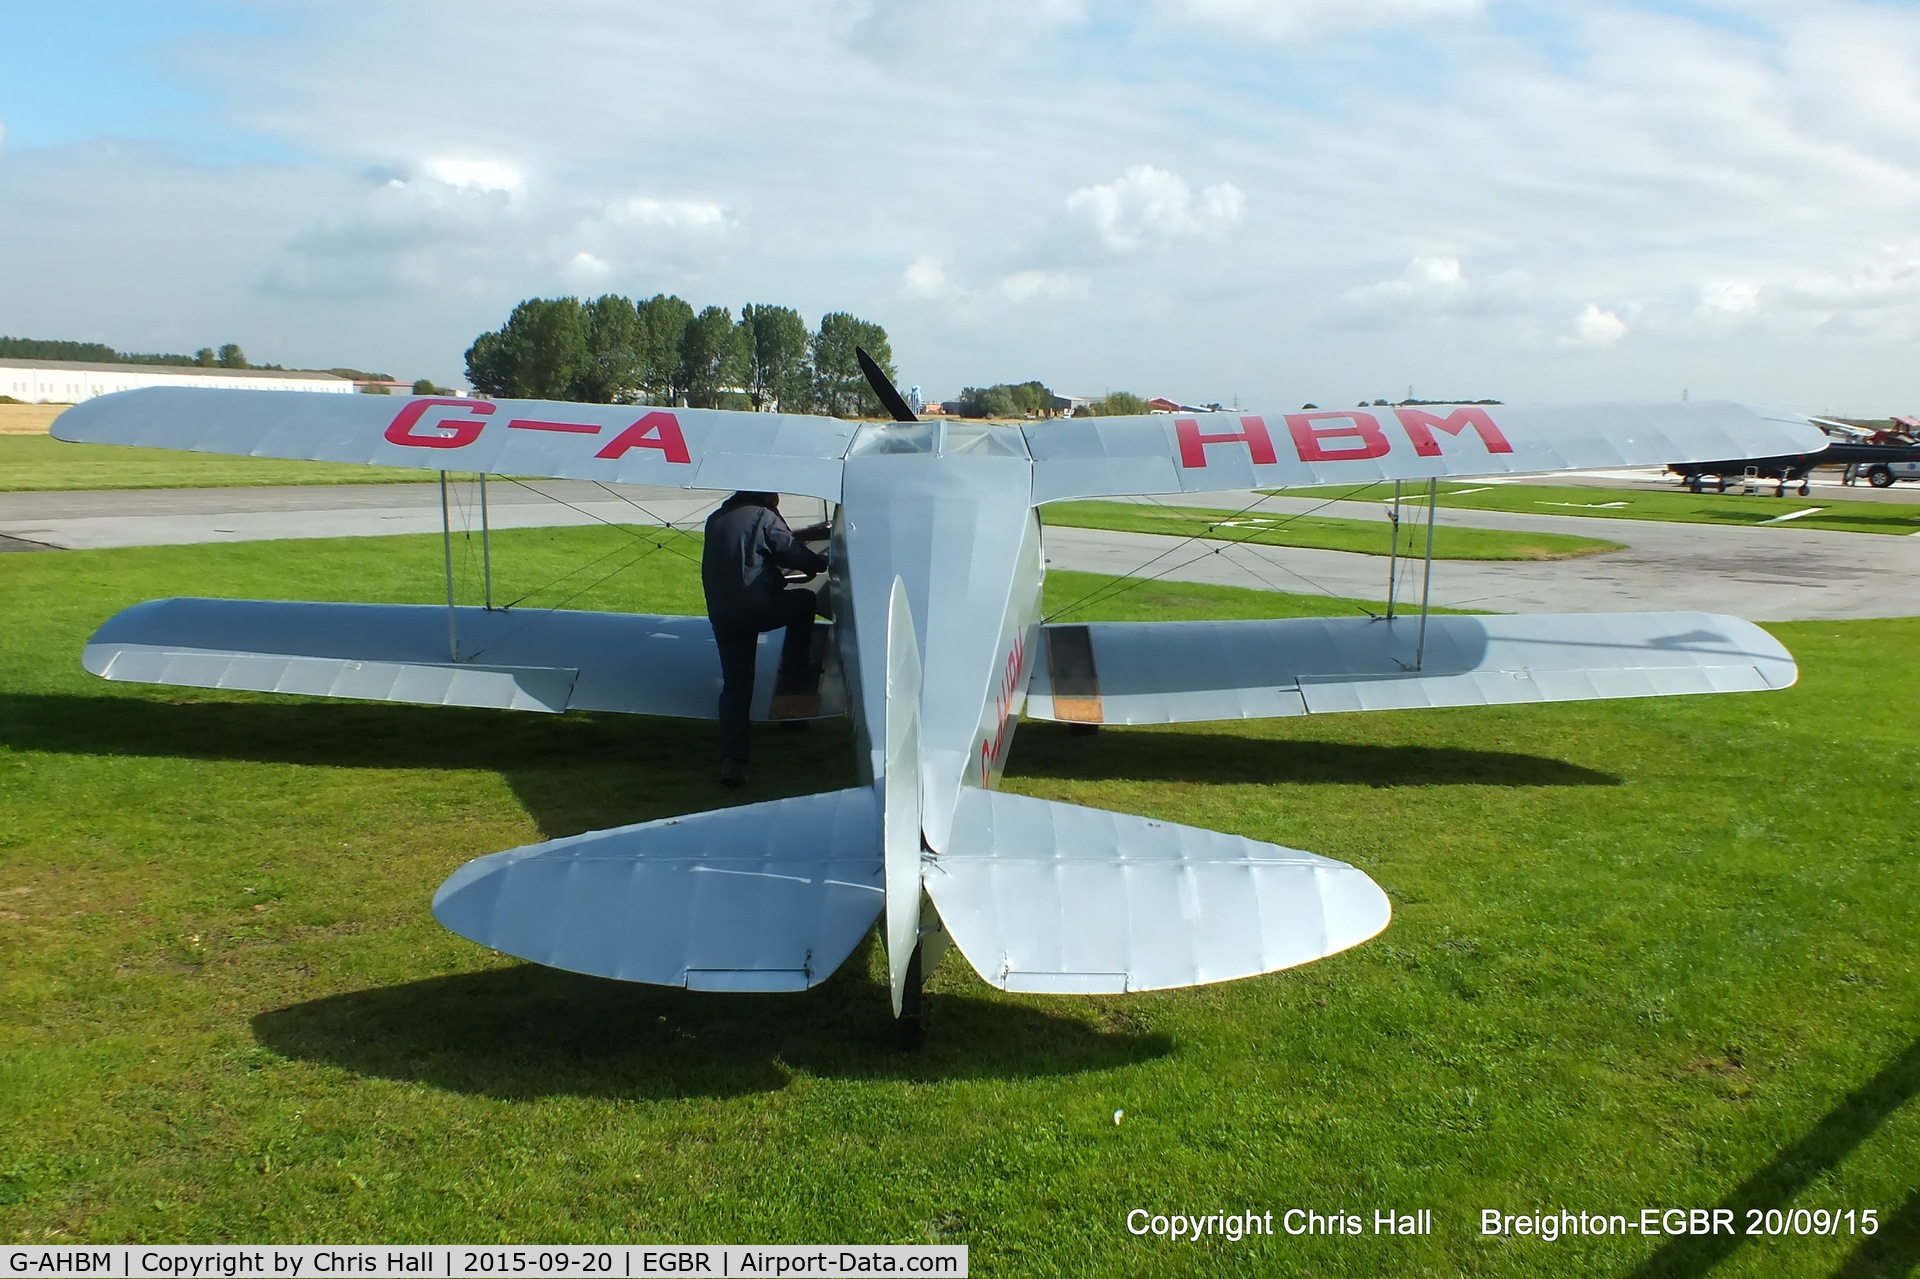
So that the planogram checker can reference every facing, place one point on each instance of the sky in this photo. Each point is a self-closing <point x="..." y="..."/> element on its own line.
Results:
<point x="1257" y="202"/>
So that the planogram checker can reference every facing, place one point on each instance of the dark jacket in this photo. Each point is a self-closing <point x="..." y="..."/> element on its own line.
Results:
<point x="748" y="544"/>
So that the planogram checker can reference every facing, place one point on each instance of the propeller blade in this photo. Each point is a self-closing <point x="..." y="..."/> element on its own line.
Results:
<point x="884" y="388"/>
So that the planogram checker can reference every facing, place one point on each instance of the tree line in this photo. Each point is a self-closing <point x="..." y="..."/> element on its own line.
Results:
<point x="1036" y="399"/>
<point x="612" y="350"/>
<point x="229" y="356"/>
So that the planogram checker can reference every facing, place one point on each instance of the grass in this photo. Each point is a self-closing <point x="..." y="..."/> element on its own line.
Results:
<point x="1369" y="537"/>
<point x="40" y="462"/>
<point x="1841" y="515"/>
<point x="1645" y="954"/>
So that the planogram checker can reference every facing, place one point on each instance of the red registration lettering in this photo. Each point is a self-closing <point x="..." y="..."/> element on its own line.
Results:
<point x="1420" y="426"/>
<point x="446" y="433"/>
<point x="535" y="424"/>
<point x="1252" y="433"/>
<point x="654" y="431"/>
<point x="1310" y="440"/>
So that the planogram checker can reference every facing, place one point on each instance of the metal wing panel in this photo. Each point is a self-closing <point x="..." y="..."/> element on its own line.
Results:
<point x="1055" y="898"/>
<point x="626" y="444"/>
<point x="1172" y="672"/>
<point x="537" y="659"/>
<point x="770" y="896"/>
<point x="1188" y="452"/>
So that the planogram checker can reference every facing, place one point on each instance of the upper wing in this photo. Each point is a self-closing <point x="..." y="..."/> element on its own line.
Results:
<point x="616" y="443"/>
<point x="1205" y="452"/>
<point x="1173" y="672"/>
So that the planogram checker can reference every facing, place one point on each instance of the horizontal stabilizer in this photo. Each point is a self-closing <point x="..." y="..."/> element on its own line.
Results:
<point x="770" y="896"/>
<point x="524" y="659"/>
<point x="1174" y="672"/>
<point x="1053" y="898"/>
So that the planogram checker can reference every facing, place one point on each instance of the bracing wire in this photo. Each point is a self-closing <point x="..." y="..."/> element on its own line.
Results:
<point x="1128" y="581"/>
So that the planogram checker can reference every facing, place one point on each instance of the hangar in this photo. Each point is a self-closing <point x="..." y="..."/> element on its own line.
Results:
<point x="71" y="381"/>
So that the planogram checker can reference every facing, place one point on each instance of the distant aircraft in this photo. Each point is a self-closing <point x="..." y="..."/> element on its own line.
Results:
<point x="937" y="650"/>
<point x="1873" y="454"/>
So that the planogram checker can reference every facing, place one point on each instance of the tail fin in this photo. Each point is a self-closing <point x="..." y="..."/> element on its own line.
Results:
<point x="769" y="896"/>
<point x="1053" y="898"/>
<point x="899" y="790"/>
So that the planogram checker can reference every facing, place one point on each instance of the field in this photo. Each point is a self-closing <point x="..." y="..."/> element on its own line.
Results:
<point x="1645" y="955"/>
<point x="1841" y="515"/>
<point x="1329" y="533"/>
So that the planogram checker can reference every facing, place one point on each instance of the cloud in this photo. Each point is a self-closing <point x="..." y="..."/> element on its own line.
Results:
<point x="925" y="277"/>
<point x="1426" y="281"/>
<point x="1146" y="204"/>
<point x="585" y="268"/>
<point x="1023" y="286"/>
<point x="1596" y="328"/>
<point x="476" y="175"/>
<point x="998" y="29"/>
<point x="1294" y="19"/>
<point x="1728" y="297"/>
<point x="679" y="215"/>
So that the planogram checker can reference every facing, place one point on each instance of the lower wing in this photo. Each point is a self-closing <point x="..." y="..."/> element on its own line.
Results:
<point x="523" y="659"/>
<point x="1172" y="672"/>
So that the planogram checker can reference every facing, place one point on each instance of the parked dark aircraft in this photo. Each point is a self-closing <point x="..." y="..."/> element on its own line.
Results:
<point x="1874" y="460"/>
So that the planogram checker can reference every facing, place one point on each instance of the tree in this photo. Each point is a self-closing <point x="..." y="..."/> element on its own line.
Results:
<point x="1117" y="404"/>
<point x="839" y="387"/>
<point x="663" y="324"/>
<point x="776" y="352"/>
<point x="232" y="357"/>
<point x="1024" y="399"/>
<point x="612" y="371"/>
<point x="539" y="354"/>
<point x="426" y="386"/>
<point x="204" y="357"/>
<point x="490" y="365"/>
<point x="1033" y="399"/>
<point x="712" y="357"/>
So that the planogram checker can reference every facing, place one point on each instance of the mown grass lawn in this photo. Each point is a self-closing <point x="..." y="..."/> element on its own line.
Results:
<point x="38" y="462"/>
<point x="1841" y="515"/>
<point x="1645" y="954"/>
<point x="1330" y="533"/>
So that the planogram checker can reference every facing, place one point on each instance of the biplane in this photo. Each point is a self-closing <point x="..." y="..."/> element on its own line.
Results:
<point x="937" y="649"/>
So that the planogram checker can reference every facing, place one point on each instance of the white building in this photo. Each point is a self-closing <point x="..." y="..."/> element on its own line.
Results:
<point x="71" y="381"/>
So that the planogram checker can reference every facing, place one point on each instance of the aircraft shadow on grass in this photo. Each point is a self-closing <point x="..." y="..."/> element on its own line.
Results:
<point x="525" y="1032"/>
<point x="1893" y="1251"/>
<point x="575" y="773"/>
<point x="1052" y="750"/>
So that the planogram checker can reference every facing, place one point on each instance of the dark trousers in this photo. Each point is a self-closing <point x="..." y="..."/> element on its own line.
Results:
<point x="738" y="636"/>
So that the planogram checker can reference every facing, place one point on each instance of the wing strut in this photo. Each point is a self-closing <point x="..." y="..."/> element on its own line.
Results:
<point x="486" y="558"/>
<point x="1393" y="548"/>
<point x="1426" y="583"/>
<point x="446" y="542"/>
<point x="486" y="543"/>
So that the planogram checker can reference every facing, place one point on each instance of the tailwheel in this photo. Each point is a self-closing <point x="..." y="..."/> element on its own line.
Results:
<point x="910" y="1027"/>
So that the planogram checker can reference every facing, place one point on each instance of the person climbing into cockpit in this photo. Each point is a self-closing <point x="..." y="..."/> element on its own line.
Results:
<point x="749" y="549"/>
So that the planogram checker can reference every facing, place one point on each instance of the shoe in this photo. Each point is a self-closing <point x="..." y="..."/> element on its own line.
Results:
<point x="732" y="773"/>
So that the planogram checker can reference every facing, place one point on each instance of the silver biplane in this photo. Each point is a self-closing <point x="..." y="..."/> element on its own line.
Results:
<point x="937" y="649"/>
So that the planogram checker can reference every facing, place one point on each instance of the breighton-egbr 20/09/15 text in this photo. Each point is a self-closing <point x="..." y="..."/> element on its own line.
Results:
<point x="1549" y="1225"/>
